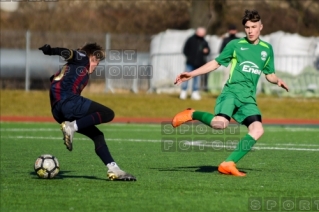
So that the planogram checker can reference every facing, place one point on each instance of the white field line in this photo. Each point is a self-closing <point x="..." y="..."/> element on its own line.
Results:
<point x="57" y="129"/>
<point x="216" y="147"/>
<point x="60" y="138"/>
<point x="193" y="143"/>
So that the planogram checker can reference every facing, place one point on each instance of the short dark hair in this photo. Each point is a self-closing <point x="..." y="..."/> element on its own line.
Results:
<point x="251" y="15"/>
<point x="93" y="49"/>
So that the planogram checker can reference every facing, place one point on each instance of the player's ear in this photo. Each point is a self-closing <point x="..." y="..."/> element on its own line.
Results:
<point x="261" y="26"/>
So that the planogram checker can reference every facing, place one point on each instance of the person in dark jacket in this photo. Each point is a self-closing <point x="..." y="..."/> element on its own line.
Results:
<point x="232" y="31"/>
<point x="195" y="49"/>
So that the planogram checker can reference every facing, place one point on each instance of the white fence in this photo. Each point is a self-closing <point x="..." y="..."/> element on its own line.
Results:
<point x="296" y="61"/>
<point x="23" y="63"/>
<point x="157" y="61"/>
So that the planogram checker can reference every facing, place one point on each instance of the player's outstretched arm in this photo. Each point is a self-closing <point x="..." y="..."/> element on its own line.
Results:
<point x="272" y="78"/>
<point x="63" y="52"/>
<point x="208" y="67"/>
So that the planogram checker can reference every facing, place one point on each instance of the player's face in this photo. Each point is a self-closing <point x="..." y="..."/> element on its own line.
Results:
<point x="252" y="30"/>
<point x="93" y="63"/>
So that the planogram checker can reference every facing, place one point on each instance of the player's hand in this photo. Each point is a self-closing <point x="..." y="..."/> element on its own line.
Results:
<point x="282" y="84"/>
<point x="46" y="49"/>
<point x="182" y="78"/>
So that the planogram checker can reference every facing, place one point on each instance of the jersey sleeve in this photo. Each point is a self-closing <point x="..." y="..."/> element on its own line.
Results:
<point x="269" y="67"/>
<point x="227" y="54"/>
<point x="79" y="56"/>
<point x="69" y="54"/>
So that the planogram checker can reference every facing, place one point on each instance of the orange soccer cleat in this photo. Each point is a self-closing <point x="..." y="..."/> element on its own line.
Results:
<point x="183" y="117"/>
<point x="230" y="169"/>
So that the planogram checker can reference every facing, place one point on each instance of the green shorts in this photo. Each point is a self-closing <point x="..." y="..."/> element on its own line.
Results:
<point x="232" y="107"/>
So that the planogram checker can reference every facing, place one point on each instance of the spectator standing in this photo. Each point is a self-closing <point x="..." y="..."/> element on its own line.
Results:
<point x="195" y="49"/>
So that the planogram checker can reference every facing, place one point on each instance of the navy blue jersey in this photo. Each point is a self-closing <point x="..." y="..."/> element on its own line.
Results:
<point x="71" y="79"/>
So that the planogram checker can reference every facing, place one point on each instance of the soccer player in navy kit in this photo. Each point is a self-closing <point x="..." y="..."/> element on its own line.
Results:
<point x="76" y="113"/>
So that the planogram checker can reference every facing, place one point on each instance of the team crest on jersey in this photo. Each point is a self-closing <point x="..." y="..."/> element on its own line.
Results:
<point x="263" y="55"/>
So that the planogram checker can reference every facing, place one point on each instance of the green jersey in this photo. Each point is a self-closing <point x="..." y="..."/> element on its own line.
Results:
<point x="248" y="61"/>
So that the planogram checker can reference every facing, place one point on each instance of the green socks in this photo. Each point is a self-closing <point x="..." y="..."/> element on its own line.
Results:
<point x="243" y="147"/>
<point x="204" y="117"/>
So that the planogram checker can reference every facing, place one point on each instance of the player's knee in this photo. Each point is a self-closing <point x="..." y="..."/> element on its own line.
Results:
<point x="219" y="123"/>
<point x="107" y="116"/>
<point x="111" y="115"/>
<point x="256" y="130"/>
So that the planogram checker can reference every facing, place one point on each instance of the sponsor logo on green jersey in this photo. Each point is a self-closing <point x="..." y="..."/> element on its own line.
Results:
<point x="250" y="67"/>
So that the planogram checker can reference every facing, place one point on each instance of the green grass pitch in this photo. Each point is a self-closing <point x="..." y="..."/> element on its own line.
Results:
<point x="283" y="166"/>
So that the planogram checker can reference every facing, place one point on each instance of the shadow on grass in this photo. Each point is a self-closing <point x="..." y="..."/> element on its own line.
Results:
<point x="64" y="174"/>
<point x="204" y="169"/>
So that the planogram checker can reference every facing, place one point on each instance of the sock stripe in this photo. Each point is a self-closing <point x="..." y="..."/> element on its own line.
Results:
<point x="90" y="120"/>
<point x="99" y="115"/>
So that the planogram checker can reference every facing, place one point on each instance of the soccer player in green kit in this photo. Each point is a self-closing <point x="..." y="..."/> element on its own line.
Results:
<point x="249" y="57"/>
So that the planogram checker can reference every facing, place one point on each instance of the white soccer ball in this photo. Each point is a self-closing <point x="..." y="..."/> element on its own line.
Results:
<point x="47" y="166"/>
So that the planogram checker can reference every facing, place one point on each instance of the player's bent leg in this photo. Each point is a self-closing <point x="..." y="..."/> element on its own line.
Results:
<point x="67" y="127"/>
<point x="95" y="115"/>
<point x="244" y="146"/>
<point x="221" y="121"/>
<point x="68" y="130"/>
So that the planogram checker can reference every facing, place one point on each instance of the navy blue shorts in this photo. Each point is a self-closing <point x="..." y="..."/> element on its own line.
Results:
<point x="71" y="109"/>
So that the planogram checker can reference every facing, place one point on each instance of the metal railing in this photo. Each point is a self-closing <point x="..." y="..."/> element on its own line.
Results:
<point x="24" y="66"/>
<point x="23" y="63"/>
